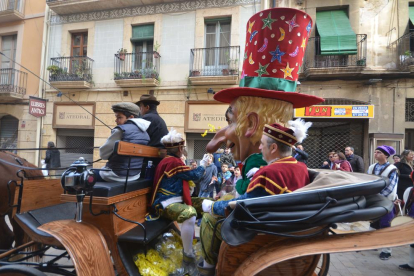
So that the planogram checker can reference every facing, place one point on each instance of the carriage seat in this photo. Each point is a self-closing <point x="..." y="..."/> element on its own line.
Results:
<point x="153" y="229"/>
<point x="31" y="220"/>
<point x="108" y="189"/>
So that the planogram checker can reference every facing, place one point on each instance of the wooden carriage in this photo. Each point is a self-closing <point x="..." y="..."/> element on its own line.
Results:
<point x="113" y="230"/>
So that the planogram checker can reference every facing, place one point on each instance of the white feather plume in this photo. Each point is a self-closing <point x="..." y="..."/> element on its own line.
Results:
<point x="300" y="128"/>
<point x="172" y="137"/>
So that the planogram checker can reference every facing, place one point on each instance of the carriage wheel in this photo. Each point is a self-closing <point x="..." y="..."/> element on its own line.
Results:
<point x="323" y="265"/>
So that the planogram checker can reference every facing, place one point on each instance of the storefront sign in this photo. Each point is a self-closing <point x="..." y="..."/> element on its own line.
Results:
<point x="70" y="115"/>
<point x="336" y="111"/>
<point x="37" y="106"/>
<point x="205" y="115"/>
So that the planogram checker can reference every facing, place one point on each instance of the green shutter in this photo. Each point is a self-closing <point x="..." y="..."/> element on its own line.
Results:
<point x="142" y="33"/>
<point x="336" y="34"/>
<point x="411" y="13"/>
<point x="215" y="20"/>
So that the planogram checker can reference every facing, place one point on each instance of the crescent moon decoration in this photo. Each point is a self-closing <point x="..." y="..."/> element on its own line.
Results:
<point x="264" y="46"/>
<point x="251" y="59"/>
<point x="250" y="26"/>
<point x="252" y="35"/>
<point x="282" y="34"/>
<point x="295" y="53"/>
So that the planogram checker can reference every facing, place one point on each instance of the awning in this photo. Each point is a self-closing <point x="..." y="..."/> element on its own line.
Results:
<point x="336" y="34"/>
<point x="142" y="33"/>
<point x="411" y="14"/>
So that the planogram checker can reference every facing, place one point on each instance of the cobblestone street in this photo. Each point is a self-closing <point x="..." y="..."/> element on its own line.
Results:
<point x="368" y="263"/>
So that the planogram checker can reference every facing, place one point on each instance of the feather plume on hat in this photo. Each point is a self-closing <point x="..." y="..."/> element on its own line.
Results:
<point x="172" y="139"/>
<point x="300" y="128"/>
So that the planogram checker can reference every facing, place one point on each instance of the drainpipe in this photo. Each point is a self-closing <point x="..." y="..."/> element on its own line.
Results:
<point x="41" y="89"/>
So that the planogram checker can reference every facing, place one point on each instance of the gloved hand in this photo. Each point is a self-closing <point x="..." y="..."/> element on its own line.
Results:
<point x="204" y="161"/>
<point x="207" y="205"/>
<point x="252" y="171"/>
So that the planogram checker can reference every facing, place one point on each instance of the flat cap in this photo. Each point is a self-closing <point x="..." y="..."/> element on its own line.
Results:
<point x="149" y="99"/>
<point x="126" y="107"/>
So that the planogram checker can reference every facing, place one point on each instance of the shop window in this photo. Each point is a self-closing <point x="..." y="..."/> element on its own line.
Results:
<point x="8" y="132"/>
<point x="409" y="110"/>
<point x="78" y="143"/>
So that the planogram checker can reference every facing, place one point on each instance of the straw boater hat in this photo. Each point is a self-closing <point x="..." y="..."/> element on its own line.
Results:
<point x="276" y="41"/>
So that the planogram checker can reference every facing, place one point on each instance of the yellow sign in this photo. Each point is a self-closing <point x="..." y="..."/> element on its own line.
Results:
<point x="205" y="116"/>
<point x="69" y="115"/>
<point x="335" y="111"/>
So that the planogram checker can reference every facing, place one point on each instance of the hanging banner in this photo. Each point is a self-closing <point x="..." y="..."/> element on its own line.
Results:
<point x="335" y="111"/>
<point x="37" y="106"/>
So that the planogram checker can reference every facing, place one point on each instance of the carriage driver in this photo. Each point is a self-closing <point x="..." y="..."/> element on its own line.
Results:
<point x="171" y="198"/>
<point x="131" y="129"/>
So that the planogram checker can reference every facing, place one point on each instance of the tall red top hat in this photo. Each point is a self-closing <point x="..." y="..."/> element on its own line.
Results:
<point x="276" y="41"/>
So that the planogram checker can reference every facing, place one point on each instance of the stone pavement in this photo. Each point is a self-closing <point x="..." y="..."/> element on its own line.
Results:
<point x="368" y="263"/>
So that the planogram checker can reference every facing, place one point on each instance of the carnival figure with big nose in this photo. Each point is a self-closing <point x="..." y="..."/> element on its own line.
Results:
<point x="276" y="40"/>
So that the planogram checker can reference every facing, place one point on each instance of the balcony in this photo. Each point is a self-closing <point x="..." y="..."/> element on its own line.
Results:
<point x="13" y="84"/>
<point x="403" y="49"/>
<point x="11" y="10"/>
<point x="217" y="65"/>
<point x="71" y="72"/>
<point x="81" y="6"/>
<point x="137" y="69"/>
<point x="317" y="66"/>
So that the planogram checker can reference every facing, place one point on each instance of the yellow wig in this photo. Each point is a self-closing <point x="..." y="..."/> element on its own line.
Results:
<point x="269" y="110"/>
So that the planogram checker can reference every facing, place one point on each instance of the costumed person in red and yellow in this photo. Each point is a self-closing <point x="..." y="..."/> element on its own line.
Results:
<point x="171" y="198"/>
<point x="276" y="40"/>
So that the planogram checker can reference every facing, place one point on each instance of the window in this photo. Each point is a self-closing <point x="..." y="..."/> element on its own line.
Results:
<point x="8" y="132"/>
<point x="409" y="110"/>
<point x="79" y="45"/>
<point x="336" y="34"/>
<point x="217" y="43"/>
<point x="8" y="47"/>
<point x="143" y="46"/>
<point x="409" y="139"/>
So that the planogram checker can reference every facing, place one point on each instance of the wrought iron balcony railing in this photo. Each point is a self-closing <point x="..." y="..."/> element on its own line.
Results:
<point x="403" y="49"/>
<point x="70" y="69"/>
<point x="216" y="61"/>
<point x="314" y="59"/>
<point x="142" y="65"/>
<point x="13" y="81"/>
<point x="12" y="5"/>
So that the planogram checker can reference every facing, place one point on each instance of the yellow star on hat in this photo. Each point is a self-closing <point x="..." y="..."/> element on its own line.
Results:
<point x="287" y="71"/>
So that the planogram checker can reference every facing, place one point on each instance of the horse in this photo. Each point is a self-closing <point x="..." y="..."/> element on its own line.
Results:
<point x="9" y="172"/>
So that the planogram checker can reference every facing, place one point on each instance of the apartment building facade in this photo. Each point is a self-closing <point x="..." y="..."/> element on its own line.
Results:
<point x="100" y="53"/>
<point x="21" y="39"/>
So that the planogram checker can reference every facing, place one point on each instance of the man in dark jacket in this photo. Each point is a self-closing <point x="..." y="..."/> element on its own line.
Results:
<point x="357" y="163"/>
<point x="52" y="159"/>
<point x="300" y="154"/>
<point x="157" y="129"/>
<point x="130" y="129"/>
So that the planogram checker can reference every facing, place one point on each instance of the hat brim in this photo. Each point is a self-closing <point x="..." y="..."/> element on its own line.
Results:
<point x="297" y="99"/>
<point x="148" y="102"/>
